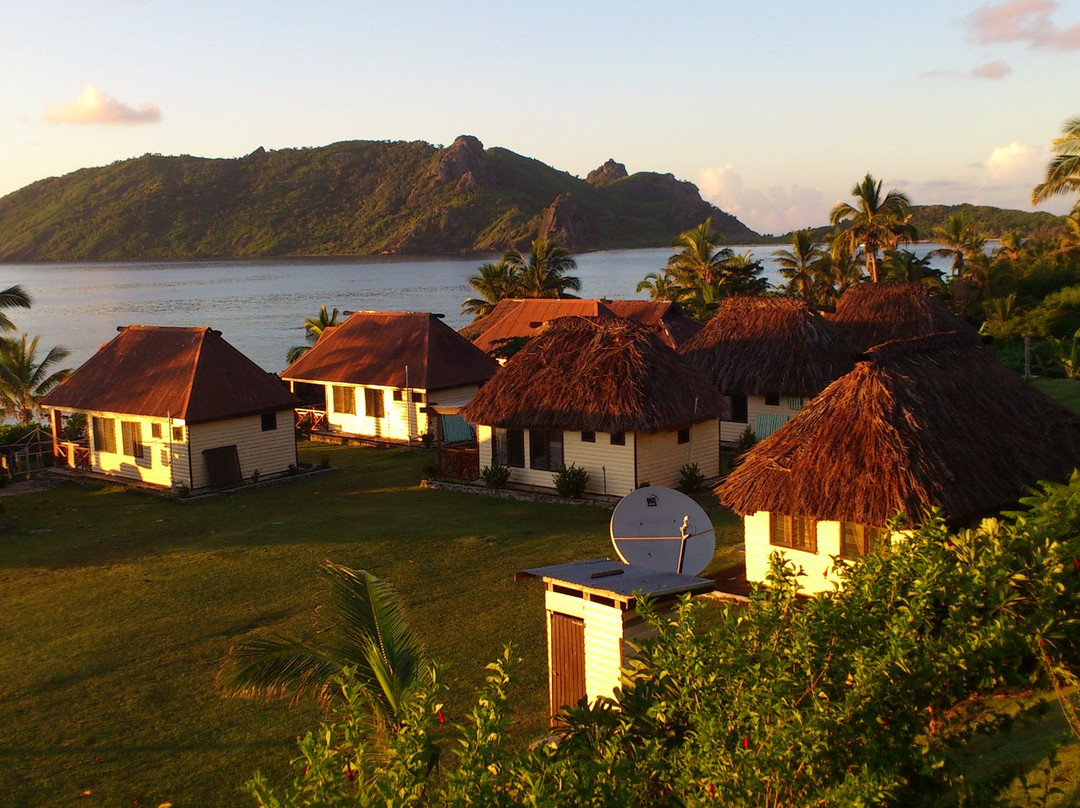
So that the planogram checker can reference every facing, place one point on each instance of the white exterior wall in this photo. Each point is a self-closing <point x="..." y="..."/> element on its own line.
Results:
<point x="603" y="640"/>
<point x="731" y="431"/>
<point x="403" y="419"/>
<point x="454" y="396"/>
<point x="270" y="452"/>
<point x="611" y="468"/>
<point x="162" y="463"/>
<point x="660" y="455"/>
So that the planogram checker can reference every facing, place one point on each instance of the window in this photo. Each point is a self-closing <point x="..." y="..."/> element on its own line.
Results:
<point x="795" y="402"/>
<point x="618" y="438"/>
<point x="588" y="437"/>
<point x="772" y="399"/>
<point x="373" y="403"/>
<point x="131" y="434"/>
<point x="684" y="435"/>
<point x="397" y="395"/>
<point x="345" y="399"/>
<point x="418" y="396"/>
<point x="736" y="409"/>
<point x="857" y="540"/>
<point x="178" y="434"/>
<point x="545" y="449"/>
<point x="269" y="421"/>
<point x="104" y="435"/>
<point x="796" y="532"/>
<point x="508" y="447"/>
<point x="155" y="430"/>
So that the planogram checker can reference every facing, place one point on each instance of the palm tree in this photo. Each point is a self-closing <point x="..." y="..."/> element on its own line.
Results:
<point x="313" y="327"/>
<point x="1011" y="246"/>
<point x="741" y="275"/>
<point x="800" y="265"/>
<point x="24" y="380"/>
<point x="904" y="265"/>
<point x="660" y="286"/>
<point x="1063" y="172"/>
<point x="492" y="282"/>
<point x="14" y="297"/>
<point x="543" y="274"/>
<point x="1069" y="242"/>
<point x="365" y="629"/>
<point x="700" y="300"/>
<point x="874" y="222"/>
<point x="961" y="242"/>
<point x="698" y="256"/>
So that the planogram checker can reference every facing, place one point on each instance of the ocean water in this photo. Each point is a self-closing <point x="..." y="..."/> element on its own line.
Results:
<point x="260" y="305"/>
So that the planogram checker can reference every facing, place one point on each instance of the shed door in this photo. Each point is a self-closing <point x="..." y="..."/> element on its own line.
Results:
<point x="222" y="465"/>
<point x="567" y="661"/>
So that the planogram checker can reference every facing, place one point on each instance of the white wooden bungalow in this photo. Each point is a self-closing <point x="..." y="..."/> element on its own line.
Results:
<point x="378" y="372"/>
<point x="175" y="407"/>
<point x="605" y="394"/>
<point x="769" y="356"/>
<point x="928" y="422"/>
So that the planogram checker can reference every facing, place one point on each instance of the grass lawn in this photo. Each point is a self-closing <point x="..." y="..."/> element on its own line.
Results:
<point x="119" y="606"/>
<point x="1065" y="391"/>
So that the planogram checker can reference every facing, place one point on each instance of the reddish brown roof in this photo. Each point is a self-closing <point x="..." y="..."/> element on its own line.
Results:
<point x="604" y="374"/>
<point x="158" y="371"/>
<point x="869" y="314"/>
<point x="933" y="421"/>
<point x="376" y="347"/>
<point x="515" y="318"/>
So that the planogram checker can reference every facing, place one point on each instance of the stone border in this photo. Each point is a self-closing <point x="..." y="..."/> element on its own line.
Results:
<point x="521" y="495"/>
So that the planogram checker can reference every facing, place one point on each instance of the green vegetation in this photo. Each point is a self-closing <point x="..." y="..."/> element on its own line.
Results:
<point x="120" y="607"/>
<point x="349" y="198"/>
<point x="313" y="329"/>
<point x="874" y="222"/>
<point x="542" y="274"/>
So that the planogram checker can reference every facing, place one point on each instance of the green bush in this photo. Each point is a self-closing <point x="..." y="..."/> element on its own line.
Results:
<point x="497" y="475"/>
<point x="691" y="480"/>
<point x="570" y="481"/>
<point x="746" y="441"/>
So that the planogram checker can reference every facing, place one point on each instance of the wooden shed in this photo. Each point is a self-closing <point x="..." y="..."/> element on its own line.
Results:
<point x="175" y="406"/>
<point x="929" y="422"/>
<point x="605" y="394"/>
<point x="768" y="356"/>
<point x="590" y="612"/>
<point x="377" y="373"/>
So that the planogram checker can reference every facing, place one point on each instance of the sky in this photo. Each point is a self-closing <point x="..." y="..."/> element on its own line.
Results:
<point x="774" y="109"/>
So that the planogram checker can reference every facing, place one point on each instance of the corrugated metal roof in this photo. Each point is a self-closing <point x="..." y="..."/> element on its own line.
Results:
<point x="159" y="371"/>
<point x="375" y="347"/>
<point x="603" y="575"/>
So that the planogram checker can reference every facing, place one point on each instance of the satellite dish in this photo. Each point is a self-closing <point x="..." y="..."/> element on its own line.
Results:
<point x="664" y="530"/>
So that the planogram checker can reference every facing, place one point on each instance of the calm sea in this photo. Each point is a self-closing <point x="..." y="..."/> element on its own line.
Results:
<point x="260" y="305"/>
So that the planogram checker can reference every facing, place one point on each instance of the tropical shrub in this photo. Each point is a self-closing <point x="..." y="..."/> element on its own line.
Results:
<point x="691" y="480"/>
<point x="497" y="475"/>
<point x="746" y="441"/>
<point x="570" y="481"/>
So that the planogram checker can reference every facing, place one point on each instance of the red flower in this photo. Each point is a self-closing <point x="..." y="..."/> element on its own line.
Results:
<point x="349" y="772"/>
<point x="442" y="719"/>
<point x="745" y="743"/>
<point x="712" y="790"/>
<point x="1076" y="564"/>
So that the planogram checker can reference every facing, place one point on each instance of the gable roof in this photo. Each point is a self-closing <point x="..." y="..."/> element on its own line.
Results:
<point x="929" y="422"/>
<point x="604" y="374"/>
<point x="160" y="372"/>
<point x="868" y="314"/>
<point x="376" y="347"/>
<point x="524" y="317"/>
<point x="760" y="345"/>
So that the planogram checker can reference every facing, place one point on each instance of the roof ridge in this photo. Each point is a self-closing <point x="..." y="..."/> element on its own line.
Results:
<point x="190" y="387"/>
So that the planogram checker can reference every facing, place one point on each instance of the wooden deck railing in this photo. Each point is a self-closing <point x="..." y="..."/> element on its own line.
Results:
<point x="459" y="461"/>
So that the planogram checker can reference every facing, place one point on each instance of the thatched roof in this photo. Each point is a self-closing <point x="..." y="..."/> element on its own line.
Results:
<point x="869" y="314"/>
<point x="931" y="421"/>
<point x="376" y="348"/>
<point x="759" y="345"/>
<point x="604" y="374"/>
<point x="158" y="372"/>
<point x="514" y="318"/>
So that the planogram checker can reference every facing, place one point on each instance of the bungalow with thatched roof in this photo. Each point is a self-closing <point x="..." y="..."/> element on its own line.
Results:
<point x="930" y="422"/>
<point x="521" y="319"/>
<point x="869" y="314"/>
<point x="769" y="356"/>
<point x="605" y="394"/>
<point x="379" y="371"/>
<point x="175" y="406"/>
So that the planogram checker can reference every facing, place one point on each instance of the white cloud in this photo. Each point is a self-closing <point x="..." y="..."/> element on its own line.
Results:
<point x="1028" y="21"/>
<point x="992" y="70"/>
<point x="94" y="106"/>
<point x="772" y="210"/>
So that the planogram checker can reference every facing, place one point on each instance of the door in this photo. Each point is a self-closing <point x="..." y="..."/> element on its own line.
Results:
<point x="222" y="465"/>
<point x="567" y="662"/>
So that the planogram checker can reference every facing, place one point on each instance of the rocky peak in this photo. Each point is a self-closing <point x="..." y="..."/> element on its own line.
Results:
<point x="608" y="173"/>
<point x="565" y="221"/>
<point x="464" y="164"/>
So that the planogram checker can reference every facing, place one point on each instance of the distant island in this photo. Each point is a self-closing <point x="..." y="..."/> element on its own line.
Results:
<point x="350" y="198"/>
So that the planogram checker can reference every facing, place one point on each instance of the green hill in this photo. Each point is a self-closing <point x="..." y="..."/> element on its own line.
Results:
<point x="350" y="198"/>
